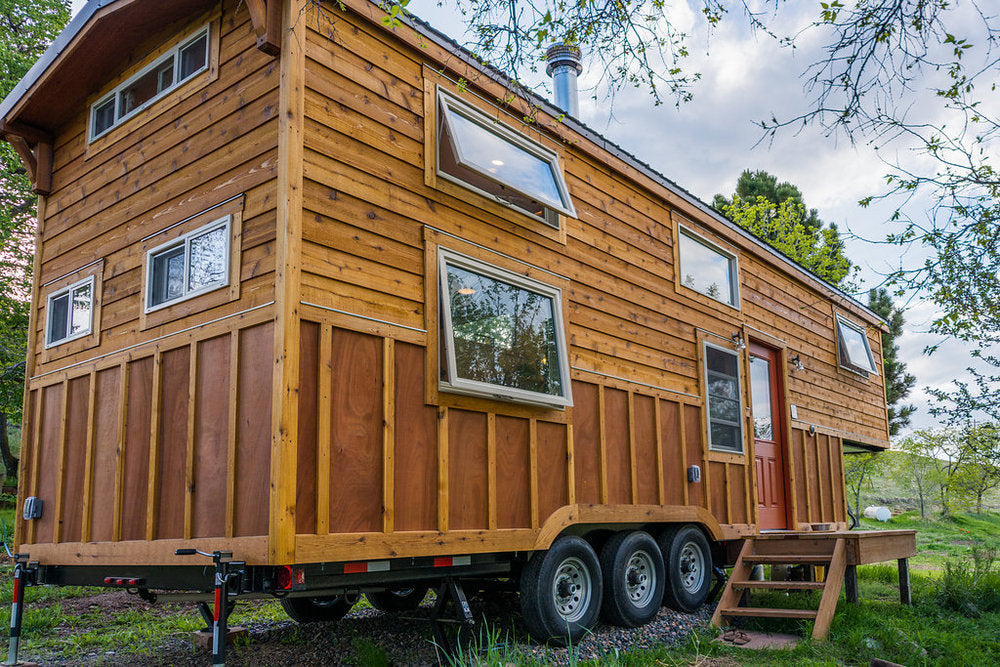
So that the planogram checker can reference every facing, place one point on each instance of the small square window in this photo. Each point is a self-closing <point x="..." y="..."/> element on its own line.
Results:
<point x="707" y="269"/>
<point x="70" y="313"/>
<point x="724" y="399"/>
<point x="853" y="349"/>
<point x="196" y="263"/>
<point x="480" y="153"/>
<point x="501" y="334"/>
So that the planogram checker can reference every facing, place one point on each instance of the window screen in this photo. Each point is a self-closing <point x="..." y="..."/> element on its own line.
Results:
<point x="479" y="152"/>
<point x="722" y="395"/>
<point x="853" y="349"/>
<point x="501" y="333"/>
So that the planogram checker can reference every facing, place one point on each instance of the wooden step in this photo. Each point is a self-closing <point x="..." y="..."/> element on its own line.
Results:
<point x="781" y="585"/>
<point x="765" y="612"/>
<point x="775" y="559"/>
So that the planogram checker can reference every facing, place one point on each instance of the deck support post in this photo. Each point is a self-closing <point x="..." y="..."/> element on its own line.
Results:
<point x="904" y="581"/>
<point x="851" y="584"/>
<point x="24" y="575"/>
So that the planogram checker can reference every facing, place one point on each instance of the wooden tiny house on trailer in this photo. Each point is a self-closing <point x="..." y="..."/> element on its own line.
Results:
<point x="305" y="292"/>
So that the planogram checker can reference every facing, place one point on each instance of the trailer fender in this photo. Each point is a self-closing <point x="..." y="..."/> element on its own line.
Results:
<point x="570" y="515"/>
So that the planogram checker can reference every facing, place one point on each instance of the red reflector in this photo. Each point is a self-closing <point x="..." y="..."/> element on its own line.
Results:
<point x="284" y="578"/>
<point x="300" y="576"/>
<point x="444" y="561"/>
<point x="355" y="568"/>
<point x="133" y="582"/>
<point x="109" y="580"/>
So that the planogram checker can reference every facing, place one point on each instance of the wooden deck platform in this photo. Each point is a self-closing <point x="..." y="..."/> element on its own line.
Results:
<point x="839" y="551"/>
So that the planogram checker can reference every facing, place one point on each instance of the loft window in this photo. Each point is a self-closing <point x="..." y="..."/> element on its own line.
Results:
<point x="722" y="395"/>
<point x="70" y="313"/>
<point x="196" y="263"/>
<point x="707" y="269"/>
<point x="188" y="58"/>
<point x="853" y="349"/>
<point x="501" y="334"/>
<point x="478" y="152"/>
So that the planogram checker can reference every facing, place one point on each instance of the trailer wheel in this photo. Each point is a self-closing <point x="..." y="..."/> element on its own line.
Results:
<point x="633" y="579"/>
<point x="561" y="591"/>
<point x="397" y="599"/>
<point x="318" y="610"/>
<point x="688" y="561"/>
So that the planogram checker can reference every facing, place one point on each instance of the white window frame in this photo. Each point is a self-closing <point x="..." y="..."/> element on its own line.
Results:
<point x="739" y="388"/>
<point x="456" y="384"/>
<point x="847" y="364"/>
<point x="448" y="104"/>
<point x="69" y="289"/>
<point x="225" y="222"/>
<point x="734" y="265"/>
<point x="189" y="39"/>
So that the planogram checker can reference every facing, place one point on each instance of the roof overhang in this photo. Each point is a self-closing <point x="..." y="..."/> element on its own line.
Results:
<point x="83" y="58"/>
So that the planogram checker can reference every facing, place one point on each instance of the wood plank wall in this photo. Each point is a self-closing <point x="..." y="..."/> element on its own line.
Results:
<point x="373" y="457"/>
<point x="160" y="430"/>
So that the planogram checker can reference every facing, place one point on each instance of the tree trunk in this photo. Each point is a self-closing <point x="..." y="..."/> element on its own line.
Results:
<point x="9" y="462"/>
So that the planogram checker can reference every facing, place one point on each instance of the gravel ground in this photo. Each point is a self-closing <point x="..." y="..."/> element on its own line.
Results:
<point x="364" y="635"/>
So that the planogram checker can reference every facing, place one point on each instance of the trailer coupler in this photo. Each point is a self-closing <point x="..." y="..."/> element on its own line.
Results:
<point x="25" y="574"/>
<point x="228" y="572"/>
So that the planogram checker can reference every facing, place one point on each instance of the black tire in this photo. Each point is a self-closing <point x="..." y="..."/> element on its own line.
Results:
<point x="688" y="562"/>
<point x="632" y="567"/>
<point x="397" y="599"/>
<point x="318" y="610"/>
<point x="561" y="592"/>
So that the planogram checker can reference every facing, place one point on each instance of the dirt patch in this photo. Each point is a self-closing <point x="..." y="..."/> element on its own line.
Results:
<point x="108" y="603"/>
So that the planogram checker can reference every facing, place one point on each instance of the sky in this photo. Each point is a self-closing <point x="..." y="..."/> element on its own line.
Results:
<point x="703" y="146"/>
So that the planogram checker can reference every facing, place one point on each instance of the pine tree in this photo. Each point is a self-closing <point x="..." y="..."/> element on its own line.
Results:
<point x="897" y="381"/>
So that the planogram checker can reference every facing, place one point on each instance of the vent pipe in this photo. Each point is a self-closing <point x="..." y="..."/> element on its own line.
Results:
<point x="564" y="66"/>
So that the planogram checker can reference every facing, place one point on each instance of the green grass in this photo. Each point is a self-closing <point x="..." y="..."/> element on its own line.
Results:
<point x="943" y="539"/>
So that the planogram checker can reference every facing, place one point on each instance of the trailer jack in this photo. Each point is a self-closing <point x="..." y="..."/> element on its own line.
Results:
<point x="228" y="572"/>
<point x="25" y="574"/>
<point x="450" y="589"/>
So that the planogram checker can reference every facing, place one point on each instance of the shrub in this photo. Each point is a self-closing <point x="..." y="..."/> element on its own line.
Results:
<point x="971" y="590"/>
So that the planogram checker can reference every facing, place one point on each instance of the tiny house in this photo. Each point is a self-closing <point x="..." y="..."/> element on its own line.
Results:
<point x="328" y="300"/>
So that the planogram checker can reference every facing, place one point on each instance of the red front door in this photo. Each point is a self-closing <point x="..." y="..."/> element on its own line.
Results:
<point x="769" y="438"/>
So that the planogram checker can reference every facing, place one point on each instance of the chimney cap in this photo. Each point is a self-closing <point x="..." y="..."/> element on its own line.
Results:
<point x="563" y="54"/>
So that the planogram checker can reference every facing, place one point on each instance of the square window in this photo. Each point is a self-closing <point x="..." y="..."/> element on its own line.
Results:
<point x="196" y="263"/>
<point x="853" y="349"/>
<point x="483" y="154"/>
<point x="723" y="399"/>
<point x="707" y="269"/>
<point x="193" y="57"/>
<point x="501" y="334"/>
<point x="70" y="313"/>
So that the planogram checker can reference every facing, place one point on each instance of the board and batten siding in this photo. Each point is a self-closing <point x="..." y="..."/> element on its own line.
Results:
<point x="382" y="452"/>
<point x="296" y="416"/>
<point x="158" y="427"/>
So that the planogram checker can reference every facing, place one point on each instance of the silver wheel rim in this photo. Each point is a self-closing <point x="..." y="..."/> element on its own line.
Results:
<point x="692" y="567"/>
<point x="571" y="589"/>
<point x="640" y="578"/>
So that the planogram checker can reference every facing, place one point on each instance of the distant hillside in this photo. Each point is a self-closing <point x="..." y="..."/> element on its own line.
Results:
<point x="886" y="489"/>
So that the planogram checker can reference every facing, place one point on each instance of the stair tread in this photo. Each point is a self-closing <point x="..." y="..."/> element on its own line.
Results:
<point x="785" y="559"/>
<point x="782" y="585"/>
<point x="767" y="612"/>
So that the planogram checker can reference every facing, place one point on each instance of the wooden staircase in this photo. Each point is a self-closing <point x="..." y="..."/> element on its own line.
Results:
<point x="786" y="549"/>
